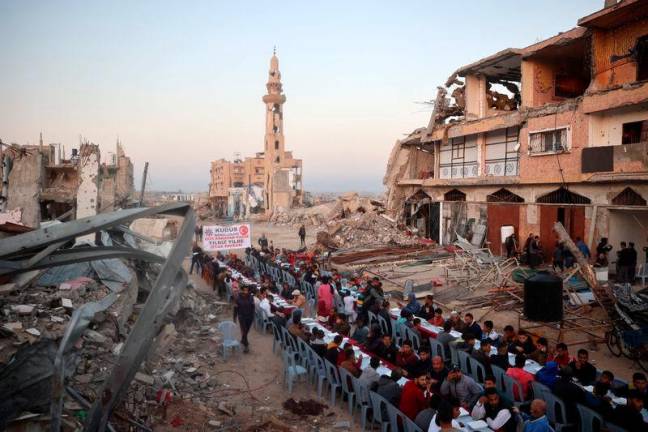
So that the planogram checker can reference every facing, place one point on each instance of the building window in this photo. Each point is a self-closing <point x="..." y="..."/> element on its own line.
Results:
<point x="551" y="141"/>
<point x="458" y="157"/>
<point x="277" y="160"/>
<point x="502" y="152"/>
<point x="276" y="145"/>
<point x="454" y="195"/>
<point x="635" y="132"/>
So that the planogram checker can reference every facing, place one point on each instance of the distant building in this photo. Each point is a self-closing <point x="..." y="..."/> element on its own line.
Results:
<point x="40" y="184"/>
<point x="274" y="170"/>
<point x="556" y="131"/>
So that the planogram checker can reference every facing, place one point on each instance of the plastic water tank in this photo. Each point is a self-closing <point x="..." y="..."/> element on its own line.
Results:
<point x="543" y="297"/>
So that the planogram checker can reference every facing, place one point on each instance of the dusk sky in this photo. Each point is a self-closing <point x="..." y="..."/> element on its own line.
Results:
<point x="180" y="83"/>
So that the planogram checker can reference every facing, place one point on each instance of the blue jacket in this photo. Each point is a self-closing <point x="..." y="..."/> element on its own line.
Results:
<point x="538" y="425"/>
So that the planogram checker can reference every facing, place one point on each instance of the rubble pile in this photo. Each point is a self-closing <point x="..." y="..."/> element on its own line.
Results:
<point x="360" y="222"/>
<point x="351" y="220"/>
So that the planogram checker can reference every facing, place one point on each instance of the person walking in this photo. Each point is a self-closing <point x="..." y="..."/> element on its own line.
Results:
<point x="302" y="236"/>
<point x="244" y="311"/>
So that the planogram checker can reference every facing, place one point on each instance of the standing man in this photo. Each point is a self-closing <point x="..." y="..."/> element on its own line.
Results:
<point x="632" y="262"/>
<point x="263" y="242"/>
<point x="302" y="236"/>
<point x="197" y="232"/>
<point x="244" y="311"/>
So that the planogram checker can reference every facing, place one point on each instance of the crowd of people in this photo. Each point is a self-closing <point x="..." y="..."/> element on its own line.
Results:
<point x="532" y="253"/>
<point x="435" y="389"/>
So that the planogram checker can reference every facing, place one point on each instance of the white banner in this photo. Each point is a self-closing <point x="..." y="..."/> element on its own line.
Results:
<point x="222" y="237"/>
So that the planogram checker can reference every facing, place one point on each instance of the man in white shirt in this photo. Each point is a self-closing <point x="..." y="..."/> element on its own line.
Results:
<point x="494" y="411"/>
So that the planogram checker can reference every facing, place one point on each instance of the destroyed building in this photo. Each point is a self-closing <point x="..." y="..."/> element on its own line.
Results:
<point x="556" y="131"/>
<point x="274" y="170"/>
<point x="40" y="183"/>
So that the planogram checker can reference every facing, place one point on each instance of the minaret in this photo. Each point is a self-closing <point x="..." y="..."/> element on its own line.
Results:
<point x="274" y="137"/>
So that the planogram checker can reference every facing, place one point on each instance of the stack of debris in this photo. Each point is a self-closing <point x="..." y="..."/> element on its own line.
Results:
<point x="82" y="305"/>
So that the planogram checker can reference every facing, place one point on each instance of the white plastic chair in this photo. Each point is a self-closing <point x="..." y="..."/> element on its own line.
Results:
<point x="227" y="328"/>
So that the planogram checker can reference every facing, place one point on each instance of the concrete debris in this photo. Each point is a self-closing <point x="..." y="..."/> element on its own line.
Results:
<point x="144" y="379"/>
<point x="33" y="332"/>
<point x="7" y="289"/>
<point x="67" y="303"/>
<point x="23" y="309"/>
<point x="95" y="337"/>
<point x="12" y="326"/>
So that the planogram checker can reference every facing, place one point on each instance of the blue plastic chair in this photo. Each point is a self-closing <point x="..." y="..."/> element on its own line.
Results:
<point x="464" y="361"/>
<point x="590" y="420"/>
<point x="412" y="336"/>
<point x="539" y="390"/>
<point x="437" y="348"/>
<point x="346" y="380"/>
<point x="227" y="328"/>
<point x="333" y="378"/>
<point x="557" y="412"/>
<point x="319" y="374"/>
<point x="498" y="372"/>
<point x="292" y="371"/>
<point x="379" y="408"/>
<point x="362" y="401"/>
<point x="276" y="338"/>
<point x="509" y="385"/>
<point x="477" y="370"/>
<point x="399" y="421"/>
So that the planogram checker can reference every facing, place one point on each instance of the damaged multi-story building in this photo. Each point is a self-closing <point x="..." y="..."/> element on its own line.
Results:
<point x="39" y="183"/>
<point x="556" y="131"/>
<point x="269" y="180"/>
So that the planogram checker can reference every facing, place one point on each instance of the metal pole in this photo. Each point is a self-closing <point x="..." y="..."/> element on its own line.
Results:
<point x="141" y="199"/>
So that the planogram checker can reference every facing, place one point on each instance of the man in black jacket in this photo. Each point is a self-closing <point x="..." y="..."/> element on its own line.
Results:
<point x="244" y="311"/>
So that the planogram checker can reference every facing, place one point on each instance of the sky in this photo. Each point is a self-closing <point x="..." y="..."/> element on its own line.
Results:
<point x="180" y="83"/>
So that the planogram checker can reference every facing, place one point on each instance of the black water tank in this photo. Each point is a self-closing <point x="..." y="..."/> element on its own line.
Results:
<point x="543" y="297"/>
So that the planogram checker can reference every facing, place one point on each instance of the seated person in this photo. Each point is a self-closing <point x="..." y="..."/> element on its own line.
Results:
<point x="298" y="299"/>
<point x="361" y="331"/>
<point x="501" y="359"/>
<point x="424" y="362"/>
<point x="456" y="322"/>
<point x="438" y="374"/>
<point x="468" y="343"/>
<point x="583" y="370"/>
<point x="541" y="352"/>
<point x="494" y="411"/>
<point x="333" y="350"/>
<point x="406" y="318"/>
<point x="562" y="356"/>
<point x="350" y="363"/>
<point x="640" y="384"/>
<point x="522" y="344"/>
<point x="538" y="421"/>
<point x="570" y="393"/>
<point x="406" y="358"/>
<point x="437" y="318"/>
<point x="523" y="377"/>
<point x="471" y="326"/>
<point x="427" y="310"/>
<point x="488" y="332"/>
<point x="629" y="416"/>
<point x="509" y="335"/>
<point x="387" y="350"/>
<point x="549" y="374"/>
<point x="286" y="292"/>
<point x="599" y="401"/>
<point x="446" y="417"/>
<point x="317" y="342"/>
<point x="445" y="337"/>
<point x="370" y="374"/>
<point x="387" y="387"/>
<point x="483" y="355"/>
<point x="297" y="329"/>
<point x="460" y="386"/>
<point x="341" y="325"/>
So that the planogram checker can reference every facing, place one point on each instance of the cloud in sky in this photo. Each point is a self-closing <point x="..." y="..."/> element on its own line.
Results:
<point x="180" y="83"/>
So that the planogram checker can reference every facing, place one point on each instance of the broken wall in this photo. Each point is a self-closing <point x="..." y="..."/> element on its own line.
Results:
<point x="396" y="169"/>
<point x="88" y="192"/>
<point x="25" y="182"/>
